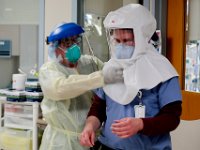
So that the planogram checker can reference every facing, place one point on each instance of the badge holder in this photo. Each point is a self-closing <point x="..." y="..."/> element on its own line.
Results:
<point x="139" y="109"/>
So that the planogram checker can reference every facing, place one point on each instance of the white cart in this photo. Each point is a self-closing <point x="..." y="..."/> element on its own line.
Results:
<point x="27" y="119"/>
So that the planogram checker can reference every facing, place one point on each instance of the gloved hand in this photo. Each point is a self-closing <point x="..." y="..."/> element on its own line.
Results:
<point x="112" y="74"/>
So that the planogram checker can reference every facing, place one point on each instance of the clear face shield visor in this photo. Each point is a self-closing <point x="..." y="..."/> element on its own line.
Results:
<point x="70" y="49"/>
<point x="121" y="42"/>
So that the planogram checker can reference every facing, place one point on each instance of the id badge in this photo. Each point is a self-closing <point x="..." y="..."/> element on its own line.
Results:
<point x="139" y="111"/>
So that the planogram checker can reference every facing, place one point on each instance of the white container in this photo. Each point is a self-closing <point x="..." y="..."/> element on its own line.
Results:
<point x="34" y="96"/>
<point x="18" y="81"/>
<point x="16" y="96"/>
<point x="13" y="139"/>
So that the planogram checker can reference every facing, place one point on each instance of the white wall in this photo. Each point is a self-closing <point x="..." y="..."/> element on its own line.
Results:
<point x="19" y="11"/>
<point x="8" y="66"/>
<point x="102" y="7"/>
<point x="56" y="12"/>
<point x="186" y="136"/>
<point x="125" y="2"/>
<point x="28" y="47"/>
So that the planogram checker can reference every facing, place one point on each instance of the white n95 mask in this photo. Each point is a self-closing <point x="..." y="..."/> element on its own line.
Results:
<point x="123" y="51"/>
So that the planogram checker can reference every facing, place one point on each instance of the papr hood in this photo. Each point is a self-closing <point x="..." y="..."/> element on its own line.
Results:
<point x="147" y="68"/>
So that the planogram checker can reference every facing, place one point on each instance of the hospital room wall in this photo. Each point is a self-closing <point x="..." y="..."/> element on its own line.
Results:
<point x="56" y="12"/>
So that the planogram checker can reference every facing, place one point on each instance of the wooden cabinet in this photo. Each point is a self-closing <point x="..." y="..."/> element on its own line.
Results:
<point x="176" y="37"/>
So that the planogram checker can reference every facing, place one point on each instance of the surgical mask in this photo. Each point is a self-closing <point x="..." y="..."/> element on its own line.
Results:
<point x="73" y="53"/>
<point x="124" y="51"/>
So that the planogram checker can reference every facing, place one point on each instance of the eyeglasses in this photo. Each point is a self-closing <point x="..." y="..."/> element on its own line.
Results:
<point x="72" y="40"/>
<point x="125" y="41"/>
<point x="123" y="36"/>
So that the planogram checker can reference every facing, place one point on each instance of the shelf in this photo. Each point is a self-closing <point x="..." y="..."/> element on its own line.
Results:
<point x="26" y="118"/>
<point x="18" y="115"/>
<point x="18" y="126"/>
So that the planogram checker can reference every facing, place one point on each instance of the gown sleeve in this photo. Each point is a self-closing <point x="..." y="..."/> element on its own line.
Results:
<point x="57" y="86"/>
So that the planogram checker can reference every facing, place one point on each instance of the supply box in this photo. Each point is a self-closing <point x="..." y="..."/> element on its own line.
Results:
<point x="13" y="139"/>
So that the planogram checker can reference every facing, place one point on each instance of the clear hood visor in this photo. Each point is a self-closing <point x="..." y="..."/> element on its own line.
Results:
<point x="121" y="42"/>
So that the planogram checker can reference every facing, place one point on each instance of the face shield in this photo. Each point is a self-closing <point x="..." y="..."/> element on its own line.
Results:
<point x="65" y="40"/>
<point x="121" y="42"/>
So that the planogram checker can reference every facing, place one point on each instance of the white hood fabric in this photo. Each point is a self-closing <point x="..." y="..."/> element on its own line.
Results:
<point x="147" y="68"/>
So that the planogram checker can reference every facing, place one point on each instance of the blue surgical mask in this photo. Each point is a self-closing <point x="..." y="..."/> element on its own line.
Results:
<point x="124" y="51"/>
<point x="73" y="53"/>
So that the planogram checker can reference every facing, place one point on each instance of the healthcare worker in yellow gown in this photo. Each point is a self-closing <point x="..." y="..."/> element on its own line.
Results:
<point x="66" y="80"/>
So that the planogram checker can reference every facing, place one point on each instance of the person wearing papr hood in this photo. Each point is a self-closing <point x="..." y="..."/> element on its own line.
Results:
<point x="140" y="112"/>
